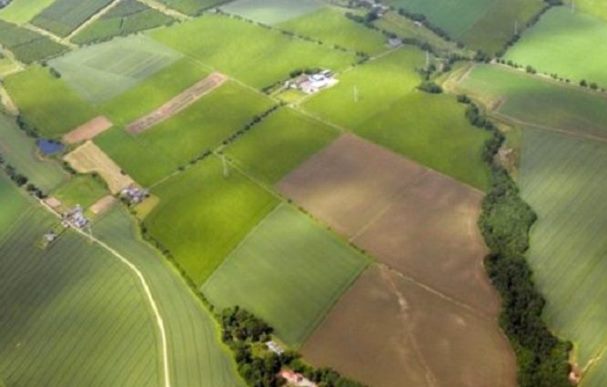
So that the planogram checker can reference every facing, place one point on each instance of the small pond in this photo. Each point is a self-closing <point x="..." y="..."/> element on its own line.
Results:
<point x="49" y="147"/>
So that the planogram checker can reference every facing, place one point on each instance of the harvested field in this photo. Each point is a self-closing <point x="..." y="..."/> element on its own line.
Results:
<point x="89" y="158"/>
<point x="417" y="338"/>
<point x="178" y="103"/>
<point x="102" y="205"/>
<point x="88" y="131"/>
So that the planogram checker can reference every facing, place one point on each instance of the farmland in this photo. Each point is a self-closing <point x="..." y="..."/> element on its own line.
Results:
<point x="100" y="72"/>
<point x="200" y="210"/>
<point x="47" y="103"/>
<point x="593" y="7"/>
<point x="270" y="273"/>
<point x="83" y="190"/>
<point x="9" y="192"/>
<point x="22" y="11"/>
<point x="271" y="54"/>
<point x="287" y="136"/>
<point x="559" y="40"/>
<point x="192" y="7"/>
<point x="64" y="16"/>
<point x="26" y="45"/>
<point x="271" y="11"/>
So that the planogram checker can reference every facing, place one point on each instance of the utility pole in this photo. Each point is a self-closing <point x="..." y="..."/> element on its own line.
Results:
<point x="355" y="94"/>
<point x="226" y="170"/>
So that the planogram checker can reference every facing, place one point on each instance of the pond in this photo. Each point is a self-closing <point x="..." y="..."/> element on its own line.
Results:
<point x="49" y="147"/>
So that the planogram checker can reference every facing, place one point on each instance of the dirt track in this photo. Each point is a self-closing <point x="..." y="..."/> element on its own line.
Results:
<point x="177" y="103"/>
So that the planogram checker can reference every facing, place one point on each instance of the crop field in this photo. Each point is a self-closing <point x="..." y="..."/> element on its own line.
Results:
<point x="559" y="40"/>
<point x="272" y="12"/>
<point x="289" y="271"/>
<point x="417" y="338"/>
<point x="28" y="46"/>
<point x="19" y="204"/>
<point x="20" y="151"/>
<point x="100" y="72"/>
<point x="260" y="57"/>
<point x="126" y="18"/>
<point x="202" y="215"/>
<point x="280" y="143"/>
<point x="192" y="7"/>
<point x="83" y="190"/>
<point x="331" y="26"/>
<point x="72" y="313"/>
<point x="47" y="103"/>
<point x="522" y="98"/>
<point x="64" y="16"/>
<point x="593" y="7"/>
<point x="87" y="131"/>
<point x="196" y="355"/>
<point x="162" y="149"/>
<point x="562" y="177"/>
<point x="22" y="11"/>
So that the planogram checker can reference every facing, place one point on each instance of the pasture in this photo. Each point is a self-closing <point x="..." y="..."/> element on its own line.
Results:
<point x="192" y="7"/>
<point x="28" y="46"/>
<point x="47" y="103"/>
<point x="202" y="215"/>
<point x="100" y="72"/>
<point x="332" y="27"/>
<point x="162" y="149"/>
<point x="559" y="40"/>
<point x="417" y="337"/>
<point x="196" y="355"/>
<point x="280" y="143"/>
<point x="594" y="7"/>
<point x="525" y="99"/>
<point x="83" y="190"/>
<point x="260" y="57"/>
<point x="289" y="271"/>
<point x="22" y="11"/>
<point x="272" y="12"/>
<point x="9" y="193"/>
<point x="20" y="151"/>
<point x="64" y="16"/>
<point x="562" y="177"/>
<point x="128" y="17"/>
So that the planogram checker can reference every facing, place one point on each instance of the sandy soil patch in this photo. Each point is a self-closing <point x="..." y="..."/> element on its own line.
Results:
<point x="178" y="103"/>
<point x="88" y="158"/>
<point x="88" y="130"/>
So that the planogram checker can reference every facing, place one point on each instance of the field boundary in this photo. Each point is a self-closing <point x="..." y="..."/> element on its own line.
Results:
<point x="88" y="130"/>
<point x="92" y="19"/>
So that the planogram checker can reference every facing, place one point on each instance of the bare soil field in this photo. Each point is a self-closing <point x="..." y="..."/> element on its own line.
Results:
<point x="416" y="338"/>
<point x="103" y="204"/>
<point x="88" y="158"/>
<point x="88" y="130"/>
<point x="177" y="103"/>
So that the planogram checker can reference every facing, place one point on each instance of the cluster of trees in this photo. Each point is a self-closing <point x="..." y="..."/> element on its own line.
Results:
<point x="246" y="335"/>
<point x="418" y="17"/>
<point x="20" y="180"/>
<point x="430" y="87"/>
<point x="505" y="223"/>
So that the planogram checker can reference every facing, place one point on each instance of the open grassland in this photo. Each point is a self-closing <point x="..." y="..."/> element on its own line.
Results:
<point x="522" y="98"/>
<point x="196" y="355"/>
<point x="127" y="17"/>
<point x="562" y="178"/>
<point x="162" y="149"/>
<point x="28" y="46"/>
<point x="272" y="11"/>
<point x="22" y="11"/>
<point x="20" y="151"/>
<point x="259" y="57"/>
<point x="64" y="16"/>
<point x="202" y="215"/>
<point x="289" y="271"/>
<point x="368" y="89"/>
<point x="46" y="102"/>
<point x="566" y="43"/>
<point x="72" y="314"/>
<point x="83" y="190"/>
<point x="280" y="143"/>
<point x="331" y="26"/>
<point x="593" y="7"/>
<point x="152" y="92"/>
<point x="417" y="338"/>
<point x="10" y="194"/>
<point x="101" y="72"/>
<point x="192" y="7"/>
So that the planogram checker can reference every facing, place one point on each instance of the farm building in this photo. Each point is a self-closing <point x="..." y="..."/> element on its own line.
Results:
<point x="134" y="195"/>
<point x="75" y="218"/>
<point x="274" y="347"/>
<point x="313" y="83"/>
<point x="296" y="379"/>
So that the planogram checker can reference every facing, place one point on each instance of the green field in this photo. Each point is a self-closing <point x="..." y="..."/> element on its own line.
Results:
<point x="593" y="7"/>
<point x="271" y="11"/>
<point x="518" y="96"/>
<point x="562" y="178"/>
<point x="28" y="46"/>
<point x="159" y="151"/>
<point x="289" y="271"/>
<point x="126" y="18"/>
<point x="47" y="103"/>
<point x="259" y="57"/>
<point x="22" y="11"/>
<point x="64" y="16"/>
<point x="100" y="72"/>
<point x="565" y="43"/>
<point x="197" y="357"/>
<point x="202" y="215"/>
<point x="10" y="194"/>
<point x="331" y="26"/>
<point x="20" y="151"/>
<point x="192" y="7"/>
<point x="83" y="190"/>
<point x="280" y="143"/>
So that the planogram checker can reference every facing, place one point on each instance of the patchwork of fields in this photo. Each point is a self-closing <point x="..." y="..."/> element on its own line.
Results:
<point x="28" y="46"/>
<point x="64" y="16"/>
